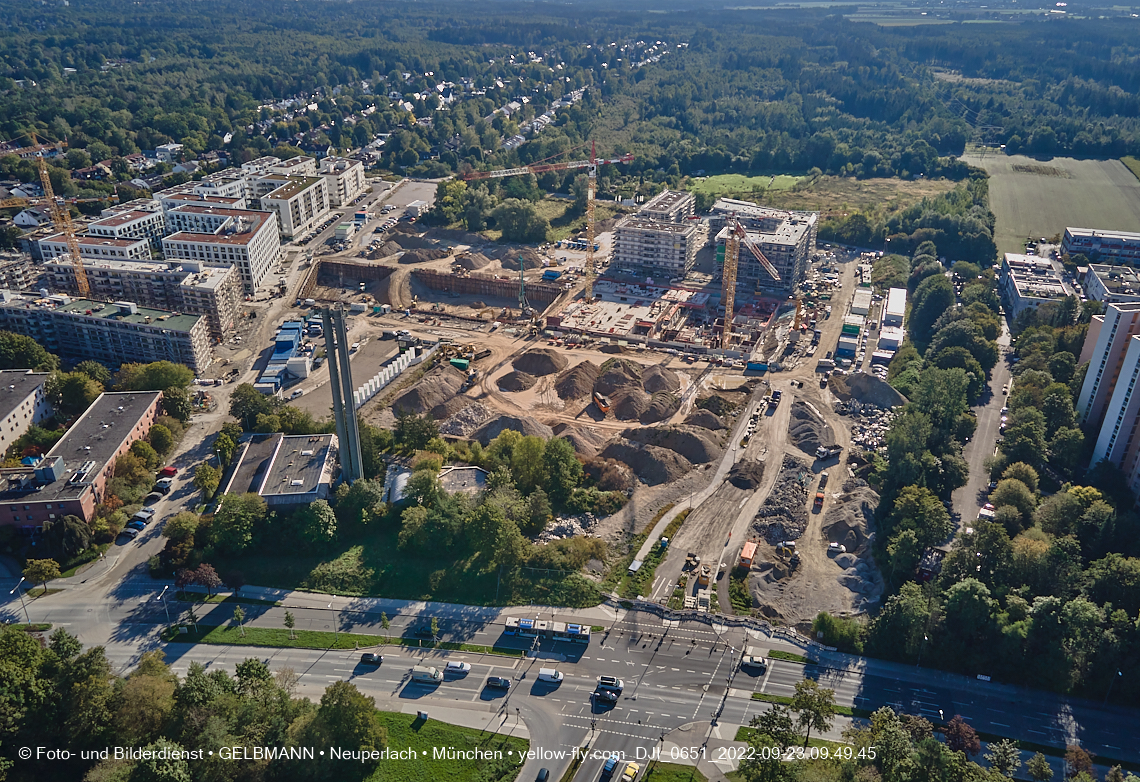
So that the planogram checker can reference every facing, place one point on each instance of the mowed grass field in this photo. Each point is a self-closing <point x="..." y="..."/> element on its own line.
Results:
<point x="830" y="195"/>
<point x="727" y="184"/>
<point x="1038" y="198"/>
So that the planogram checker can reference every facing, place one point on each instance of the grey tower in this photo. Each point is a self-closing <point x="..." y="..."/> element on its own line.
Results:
<point x="344" y="407"/>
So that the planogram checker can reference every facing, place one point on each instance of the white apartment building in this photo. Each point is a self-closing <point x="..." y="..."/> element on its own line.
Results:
<point x="1096" y="244"/>
<point x="1028" y="281"/>
<point x="1105" y="344"/>
<point x="670" y="248"/>
<point x="177" y="286"/>
<point x="301" y="203"/>
<point x="131" y="225"/>
<point x="1116" y="440"/>
<point x="670" y="206"/>
<point x="22" y="403"/>
<point x="1112" y="284"/>
<point x="173" y="200"/>
<point x="242" y="238"/>
<point x="96" y="247"/>
<point x="302" y="165"/>
<point x="344" y="178"/>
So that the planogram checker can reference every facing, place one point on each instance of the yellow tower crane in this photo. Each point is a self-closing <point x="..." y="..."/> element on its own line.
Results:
<point x="591" y="189"/>
<point x="61" y="219"/>
<point x="736" y="236"/>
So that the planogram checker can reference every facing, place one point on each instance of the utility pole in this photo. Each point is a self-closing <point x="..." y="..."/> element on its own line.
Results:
<point x="25" y="605"/>
<point x="162" y="597"/>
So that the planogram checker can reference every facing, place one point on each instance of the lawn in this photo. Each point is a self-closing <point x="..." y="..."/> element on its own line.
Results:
<point x="562" y="222"/>
<point x="1133" y="165"/>
<point x="729" y="184"/>
<point x="776" y="654"/>
<point x="232" y="635"/>
<point x="1035" y="198"/>
<point x="632" y="586"/>
<point x="405" y="731"/>
<point x="672" y="772"/>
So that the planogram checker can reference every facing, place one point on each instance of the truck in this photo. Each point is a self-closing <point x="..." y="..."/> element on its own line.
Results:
<point x="603" y="402"/>
<point x="705" y="576"/>
<point x="747" y="554"/>
<point x="482" y="354"/>
<point x="831" y="452"/>
<point x="815" y="337"/>
<point x="426" y="674"/>
<point x="692" y="561"/>
<point x="818" y="501"/>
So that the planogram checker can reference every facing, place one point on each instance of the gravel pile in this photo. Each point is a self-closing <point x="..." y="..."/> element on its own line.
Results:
<point x="746" y="474"/>
<point x="540" y="362"/>
<point x="435" y="388"/>
<point x="661" y="408"/>
<point x="577" y="382"/>
<point x="473" y="261"/>
<point x="422" y="256"/>
<point x="618" y="374"/>
<point x="692" y="443"/>
<point x="405" y="228"/>
<point x="612" y="347"/>
<point x="784" y="515"/>
<point x="517" y="381"/>
<point x="656" y="379"/>
<point x="449" y="408"/>
<point x="807" y="429"/>
<point x="652" y="464"/>
<point x="866" y="389"/>
<point x="525" y="425"/>
<point x="631" y="404"/>
<point x="413" y="242"/>
<point x="384" y="250"/>
<point x="466" y="421"/>
<point x="509" y="258"/>
<point x="586" y="441"/>
<point x="850" y="520"/>
<point x="706" y="420"/>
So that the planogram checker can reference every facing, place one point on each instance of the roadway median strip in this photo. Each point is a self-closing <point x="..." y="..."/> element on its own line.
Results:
<point x="783" y="700"/>
<point x="775" y="654"/>
<point x="228" y="635"/>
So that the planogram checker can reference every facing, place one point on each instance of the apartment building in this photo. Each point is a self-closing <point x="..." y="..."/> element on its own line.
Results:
<point x="300" y="202"/>
<point x="1028" y="281"/>
<point x="18" y="272"/>
<point x="1112" y="284"/>
<point x="761" y="219"/>
<point x="344" y="179"/>
<point x="670" y="206"/>
<point x="176" y="200"/>
<point x="112" y="334"/>
<point x="666" y="248"/>
<point x="149" y="225"/>
<point x="72" y="477"/>
<point x="302" y="165"/>
<point x="225" y="237"/>
<point x="96" y="247"/>
<point x="22" y="403"/>
<point x="191" y="287"/>
<point x="1105" y="345"/>
<point x="1100" y="245"/>
<point x="1116" y="437"/>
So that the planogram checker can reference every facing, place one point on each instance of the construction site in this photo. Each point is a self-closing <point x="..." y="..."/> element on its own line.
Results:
<point x="751" y="426"/>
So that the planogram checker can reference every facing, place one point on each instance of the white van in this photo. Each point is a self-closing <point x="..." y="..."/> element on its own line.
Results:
<point x="549" y="675"/>
<point x="426" y="674"/>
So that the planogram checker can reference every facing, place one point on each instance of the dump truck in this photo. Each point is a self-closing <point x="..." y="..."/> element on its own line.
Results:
<point x="823" y="453"/>
<point x="692" y="561"/>
<point x="705" y="576"/>
<point x="818" y="501"/>
<point x="603" y="402"/>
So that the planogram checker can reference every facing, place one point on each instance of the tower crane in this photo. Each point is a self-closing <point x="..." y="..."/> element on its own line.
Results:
<point x="591" y="165"/>
<point x="737" y="236"/>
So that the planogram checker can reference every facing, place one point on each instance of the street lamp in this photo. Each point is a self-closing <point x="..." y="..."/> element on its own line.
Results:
<point x="22" y="603"/>
<point x="162" y="597"/>
<point x="925" y="638"/>
<point x="1118" y="674"/>
<point x="336" y="623"/>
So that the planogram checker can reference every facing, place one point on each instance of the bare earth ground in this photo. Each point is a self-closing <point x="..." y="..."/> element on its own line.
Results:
<point x="1035" y="198"/>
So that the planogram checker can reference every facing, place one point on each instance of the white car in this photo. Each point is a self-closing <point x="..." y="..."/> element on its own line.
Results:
<point x="457" y="667"/>
<point x="754" y="661"/>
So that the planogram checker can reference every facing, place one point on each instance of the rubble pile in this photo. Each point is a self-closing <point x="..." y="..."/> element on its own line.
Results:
<point x="631" y="404"/>
<point x="567" y="527"/>
<point x="807" y="429"/>
<point x="694" y="444"/>
<point x="656" y="379"/>
<point x="662" y="406"/>
<point x="866" y="389"/>
<point x="586" y="441"/>
<point x="517" y="381"/>
<point x="746" y="474"/>
<point x="653" y="464"/>
<point x="422" y="256"/>
<point x="473" y="261"/>
<point x="618" y="374"/>
<point x="466" y="421"/>
<point x="869" y="424"/>
<point x="784" y="515"/>
<point x="509" y="258"/>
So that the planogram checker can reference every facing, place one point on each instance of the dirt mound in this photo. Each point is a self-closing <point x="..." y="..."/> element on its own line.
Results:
<point x="656" y="379"/>
<point x="405" y="228"/>
<point x="693" y="444"/>
<point x="540" y="362"/>
<point x="473" y="261"/>
<point x="612" y="347"/>
<point x="525" y="425"/>
<point x="422" y="256"/>
<point x="586" y="441"/>
<point x="435" y="388"/>
<point x="706" y="420"/>
<point x="784" y="516"/>
<point x="517" y="381"/>
<point x="807" y="429"/>
<point x="746" y="474"/>
<point x="717" y="404"/>
<point x="384" y="250"/>
<point x="509" y="258"/>
<point x="449" y="408"/>
<point x="577" y="382"/>
<point x="652" y="464"/>
<point x="865" y="388"/>
<point x="851" y="518"/>
<point x="618" y="374"/>
<point x="631" y="405"/>
<point x="413" y="242"/>
<point x="661" y="408"/>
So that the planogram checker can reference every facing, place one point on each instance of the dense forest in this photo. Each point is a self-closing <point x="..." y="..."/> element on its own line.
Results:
<point x="742" y="91"/>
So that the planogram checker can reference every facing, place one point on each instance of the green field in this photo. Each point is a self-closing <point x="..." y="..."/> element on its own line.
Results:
<point x="672" y="772"/>
<point x="727" y="184"/>
<point x="1035" y="198"/>
<point x="1133" y="165"/>
<point x="407" y="732"/>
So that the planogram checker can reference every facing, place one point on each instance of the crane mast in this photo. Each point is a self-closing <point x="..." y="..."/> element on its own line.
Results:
<point x="61" y="219"/>
<point x="737" y="236"/>
<point x="591" y="188"/>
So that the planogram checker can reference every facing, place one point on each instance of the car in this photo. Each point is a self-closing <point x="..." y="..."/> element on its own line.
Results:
<point x="630" y="772"/>
<point x="1004" y="410"/>
<point x="369" y="658"/>
<point x="152" y="498"/>
<point x="754" y="661"/>
<point x="543" y="775"/>
<point x="423" y="631"/>
<point x="1005" y="390"/>
<point x="609" y="696"/>
<point x="145" y="514"/>
<point x="988" y="506"/>
<point x="498" y="682"/>
<point x="136" y="525"/>
<point x="129" y="532"/>
<point x="457" y="667"/>
<point x="297" y="393"/>
<point x="611" y="682"/>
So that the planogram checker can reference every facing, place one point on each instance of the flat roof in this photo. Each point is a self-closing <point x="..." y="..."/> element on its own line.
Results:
<point x="787" y="232"/>
<point x="250" y="471"/>
<point x="199" y="198"/>
<point x="1119" y="280"/>
<point x="295" y="185"/>
<point x="16" y="385"/>
<point x="1100" y="233"/>
<point x="298" y="464"/>
<point x="123" y="218"/>
<point x="108" y="311"/>
<point x="896" y="302"/>
<point x="95" y="437"/>
<point x="646" y="224"/>
<point x="96" y="241"/>
<point x="665" y="200"/>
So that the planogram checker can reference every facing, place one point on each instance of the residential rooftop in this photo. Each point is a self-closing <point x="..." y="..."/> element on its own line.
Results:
<point x="295" y="185"/>
<point x="643" y="224"/>
<point x="16" y="385"/>
<point x="122" y="218"/>
<point x="122" y="312"/>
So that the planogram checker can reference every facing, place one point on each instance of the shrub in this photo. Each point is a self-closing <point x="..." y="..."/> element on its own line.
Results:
<point x="346" y="574"/>
<point x="843" y="633"/>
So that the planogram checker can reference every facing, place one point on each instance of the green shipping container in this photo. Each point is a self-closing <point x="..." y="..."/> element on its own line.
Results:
<point x="460" y="363"/>
<point x="850" y="328"/>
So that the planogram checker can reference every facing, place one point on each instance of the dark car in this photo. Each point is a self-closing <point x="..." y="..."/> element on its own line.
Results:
<point x="423" y="631"/>
<point x="152" y="498"/>
<point x="498" y="682"/>
<point x="543" y="775"/>
<point x="368" y="658"/>
<point x="609" y="696"/>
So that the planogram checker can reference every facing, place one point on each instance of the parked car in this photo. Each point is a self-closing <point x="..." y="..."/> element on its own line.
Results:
<point x="136" y="525"/>
<point x="457" y="667"/>
<point x="130" y="533"/>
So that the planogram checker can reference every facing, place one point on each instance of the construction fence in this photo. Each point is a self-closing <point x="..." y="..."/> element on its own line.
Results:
<point x="539" y="294"/>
